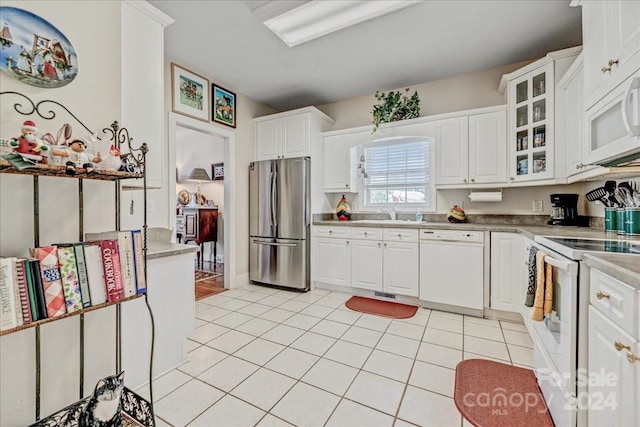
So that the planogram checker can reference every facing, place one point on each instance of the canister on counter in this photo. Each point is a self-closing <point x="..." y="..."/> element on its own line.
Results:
<point x="632" y="221"/>
<point x="620" y="220"/>
<point x="610" y="223"/>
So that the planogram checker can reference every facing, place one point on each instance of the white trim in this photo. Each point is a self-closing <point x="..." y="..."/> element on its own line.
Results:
<point x="151" y="11"/>
<point x="175" y="120"/>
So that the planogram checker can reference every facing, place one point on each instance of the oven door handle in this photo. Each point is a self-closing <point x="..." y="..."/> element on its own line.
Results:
<point x="562" y="265"/>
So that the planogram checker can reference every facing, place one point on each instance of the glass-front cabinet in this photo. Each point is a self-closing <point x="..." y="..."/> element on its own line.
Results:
<point x="531" y="125"/>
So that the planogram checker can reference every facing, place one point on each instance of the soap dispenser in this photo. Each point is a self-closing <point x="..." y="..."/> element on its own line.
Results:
<point x="419" y="215"/>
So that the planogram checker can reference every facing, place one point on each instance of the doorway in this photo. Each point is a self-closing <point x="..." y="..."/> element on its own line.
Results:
<point x="195" y="144"/>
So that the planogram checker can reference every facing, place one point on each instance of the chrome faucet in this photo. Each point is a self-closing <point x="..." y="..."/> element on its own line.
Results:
<point x="391" y="211"/>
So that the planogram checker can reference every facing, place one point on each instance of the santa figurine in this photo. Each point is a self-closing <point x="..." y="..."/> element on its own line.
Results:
<point x="77" y="156"/>
<point x="28" y="145"/>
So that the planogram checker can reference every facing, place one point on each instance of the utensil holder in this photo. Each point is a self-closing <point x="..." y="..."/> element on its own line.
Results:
<point x="632" y="221"/>
<point x="620" y="220"/>
<point x="610" y="220"/>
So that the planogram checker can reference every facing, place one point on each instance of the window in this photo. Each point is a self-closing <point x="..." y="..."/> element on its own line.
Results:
<point x="397" y="172"/>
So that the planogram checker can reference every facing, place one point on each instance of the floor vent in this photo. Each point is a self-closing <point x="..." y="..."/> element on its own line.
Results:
<point x="382" y="294"/>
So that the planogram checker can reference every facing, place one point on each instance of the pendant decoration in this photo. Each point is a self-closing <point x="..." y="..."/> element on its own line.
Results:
<point x="343" y="210"/>
<point x="34" y="51"/>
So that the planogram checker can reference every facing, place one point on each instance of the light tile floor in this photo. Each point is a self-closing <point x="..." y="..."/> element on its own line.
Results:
<point x="266" y="357"/>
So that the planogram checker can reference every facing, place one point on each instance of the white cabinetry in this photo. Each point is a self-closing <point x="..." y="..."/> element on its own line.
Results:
<point x="611" y="35"/>
<point x="614" y="352"/>
<point x="507" y="277"/>
<point x="532" y="115"/>
<point x="142" y="48"/>
<point x="366" y="259"/>
<point x="290" y="134"/>
<point x="332" y="255"/>
<point x="340" y="160"/>
<point x="376" y="259"/>
<point x="401" y="266"/>
<point x="472" y="149"/>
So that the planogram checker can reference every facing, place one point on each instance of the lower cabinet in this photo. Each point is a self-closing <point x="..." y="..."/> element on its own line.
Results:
<point x="614" y="392"/>
<point x="508" y="284"/>
<point x="332" y="261"/>
<point x="380" y="260"/>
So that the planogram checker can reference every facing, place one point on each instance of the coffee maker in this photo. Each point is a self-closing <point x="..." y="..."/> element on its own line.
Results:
<point x="564" y="211"/>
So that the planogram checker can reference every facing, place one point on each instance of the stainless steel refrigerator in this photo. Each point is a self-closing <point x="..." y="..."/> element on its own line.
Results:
<point x="279" y="218"/>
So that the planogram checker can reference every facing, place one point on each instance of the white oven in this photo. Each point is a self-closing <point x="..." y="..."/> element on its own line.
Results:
<point x="556" y="339"/>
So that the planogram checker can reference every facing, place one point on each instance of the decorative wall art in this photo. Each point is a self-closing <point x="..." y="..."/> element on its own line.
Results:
<point x="189" y="93"/>
<point x="34" y="51"/>
<point x="217" y="171"/>
<point x="224" y="106"/>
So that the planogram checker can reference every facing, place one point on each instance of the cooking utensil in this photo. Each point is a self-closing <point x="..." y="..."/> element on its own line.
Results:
<point x="610" y="187"/>
<point x="598" y="194"/>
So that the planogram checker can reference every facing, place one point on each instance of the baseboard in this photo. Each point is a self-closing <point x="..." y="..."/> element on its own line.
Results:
<point x="240" y="280"/>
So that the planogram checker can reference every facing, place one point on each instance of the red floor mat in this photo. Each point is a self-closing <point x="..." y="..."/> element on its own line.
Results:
<point x="394" y="310"/>
<point x="489" y="394"/>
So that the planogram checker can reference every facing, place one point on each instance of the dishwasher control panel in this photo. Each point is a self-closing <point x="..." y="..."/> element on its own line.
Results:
<point x="453" y="235"/>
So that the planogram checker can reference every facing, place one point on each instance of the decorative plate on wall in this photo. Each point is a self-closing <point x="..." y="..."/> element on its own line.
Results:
<point x="34" y="51"/>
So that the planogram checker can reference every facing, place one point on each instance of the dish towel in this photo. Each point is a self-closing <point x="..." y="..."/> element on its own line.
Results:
<point x="531" y="287"/>
<point x="544" y="284"/>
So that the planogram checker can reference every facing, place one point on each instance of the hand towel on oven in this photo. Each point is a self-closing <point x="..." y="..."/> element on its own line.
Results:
<point x="531" y="288"/>
<point x="544" y="288"/>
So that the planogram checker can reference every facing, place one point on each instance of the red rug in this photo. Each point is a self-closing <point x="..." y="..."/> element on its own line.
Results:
<point x="394" y="310"/>
<point x="489" y="394"/>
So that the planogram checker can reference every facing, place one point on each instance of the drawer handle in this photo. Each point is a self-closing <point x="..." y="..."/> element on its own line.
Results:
<point x="632" y="358"/>
<point x="378" y="244"/>
<point x="385" y="245"/>
<point x="330" y="231"/>
<point x="365" y="234"/>
<point x="347" y="243"/>
<point x="601" y="295"/>
<point x="399" y="235"/>
<point x="619" y="346"/>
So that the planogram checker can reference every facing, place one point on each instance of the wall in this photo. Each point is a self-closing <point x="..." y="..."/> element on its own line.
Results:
<point x="243" y="152"/>
<point x="201" y="150"/>
<point x="467" y="91"/>
<point x="95" y="97"/>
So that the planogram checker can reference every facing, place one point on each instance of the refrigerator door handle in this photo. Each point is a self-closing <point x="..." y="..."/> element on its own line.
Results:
<point x="261" y="242"/>
<point x="271" y="204"/>
<point x="274" y="199"/>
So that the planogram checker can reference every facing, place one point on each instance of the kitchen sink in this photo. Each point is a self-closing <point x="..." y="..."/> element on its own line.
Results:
<point x="386" y="221"/>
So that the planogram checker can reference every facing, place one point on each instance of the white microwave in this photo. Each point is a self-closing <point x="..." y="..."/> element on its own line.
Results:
<point x="613" y="125"/>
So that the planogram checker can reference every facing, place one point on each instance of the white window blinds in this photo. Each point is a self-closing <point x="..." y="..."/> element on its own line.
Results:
<point x="397" y="172"/>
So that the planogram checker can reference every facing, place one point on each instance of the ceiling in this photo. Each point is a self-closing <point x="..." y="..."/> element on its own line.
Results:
<point x="226" y="42"/>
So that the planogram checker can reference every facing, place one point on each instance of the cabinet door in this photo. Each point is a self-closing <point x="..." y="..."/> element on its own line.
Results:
<point x="268" y="134"/>
<point x="452" y="150"/>
<point x="507" y="278"/>
<point x="488" y="148"/>
<point x="572" y="98"/>
<point x="336" y="163"/>
<point x="531" y="115"/>
<point x="597" y="16"/>
<point x="333" y="261"/>
<point x="295" y="136"/>
<point x="612" y="402"/>
<point x="400" y="268"/>
<point x="366" y="264"/>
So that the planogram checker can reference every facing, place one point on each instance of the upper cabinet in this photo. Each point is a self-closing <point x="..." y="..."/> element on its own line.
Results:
<point x="142" y="48"/>
<point x="471" y="149"/>
<point x="341" y="171"/>
<point x="531" y="99"/>
<point x="291" y="134"/>
<point x="611" y="35"/>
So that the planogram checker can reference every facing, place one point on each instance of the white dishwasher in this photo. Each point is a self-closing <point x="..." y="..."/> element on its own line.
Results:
<point x="452" y="270"/>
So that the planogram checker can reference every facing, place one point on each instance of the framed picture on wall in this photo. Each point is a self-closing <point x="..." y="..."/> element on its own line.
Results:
<point x="217" y="171"/>
<point x="189" y="93"/>
<point x="224" y="106"/>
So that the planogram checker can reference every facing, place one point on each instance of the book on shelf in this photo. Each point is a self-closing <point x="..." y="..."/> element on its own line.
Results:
<point x="95" y="273"/>
<point x="51" y="281"/>
<point x="69" y="278"/>
<point x="33" y="305"/>
<point x="16" y="292"/>
<point x="126" y="253"/>
<point x="36" y="278"/>
<point x="111" y="268"/>
<point x="138" y="253"/>
<point x="8" y="309"/>
<point x="83" y="278"/>
<point x="23" y="290"/>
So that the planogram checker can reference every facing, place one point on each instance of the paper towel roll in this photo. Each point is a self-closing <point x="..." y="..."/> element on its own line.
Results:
<point x="486" y="196"/>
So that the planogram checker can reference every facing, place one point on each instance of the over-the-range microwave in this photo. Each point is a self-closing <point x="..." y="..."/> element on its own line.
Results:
<point x="613" y="125"/>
